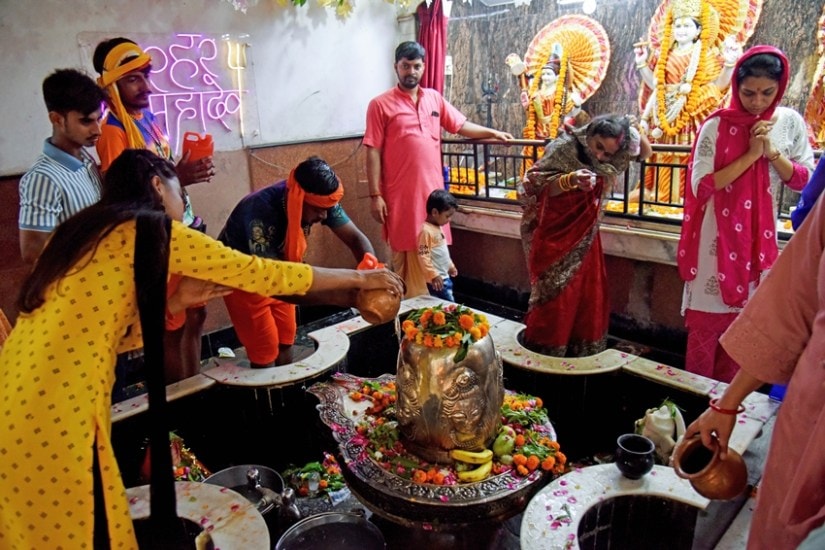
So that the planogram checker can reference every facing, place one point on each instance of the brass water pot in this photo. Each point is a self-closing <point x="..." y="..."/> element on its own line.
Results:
<point x="711" y="476"/>
<point x="444" y="405"/>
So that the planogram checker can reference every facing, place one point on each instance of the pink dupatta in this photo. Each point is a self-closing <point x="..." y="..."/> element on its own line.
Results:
<point x="746" y="244"/>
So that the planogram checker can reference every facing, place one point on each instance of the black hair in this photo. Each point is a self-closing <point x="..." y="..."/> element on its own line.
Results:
<point x="611" y="126"/>
<point x="127" y="193"/>
<point x="70" y="90"/>
<point x="762" y="64"/>
<point x="441" y="200"/>
<point x="316" y="176"/>
<point x="410" y="50"/>
<point x="103" y="49"/>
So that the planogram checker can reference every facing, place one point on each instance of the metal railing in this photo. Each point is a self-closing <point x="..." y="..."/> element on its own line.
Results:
<point x="489" y="171"/>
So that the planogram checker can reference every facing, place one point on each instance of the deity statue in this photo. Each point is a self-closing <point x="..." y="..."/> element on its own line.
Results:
<point x="553" y="101"/>
<point x="815" y="108"/>
<point x="564" y="65"/>
<point x="685" y="67"/>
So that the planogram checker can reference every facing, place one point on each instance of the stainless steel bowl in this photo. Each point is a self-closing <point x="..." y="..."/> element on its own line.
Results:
<point x="332" y="530"/>
<point x="260" y="485"/>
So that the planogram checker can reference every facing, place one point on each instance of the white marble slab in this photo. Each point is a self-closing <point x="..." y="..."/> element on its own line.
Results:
<point x="230" y="520"/>
<point x="505" y="337"/>
<point x="136" y="405"/>
<point x="332" y="345"/>
<point x="551" y="520"/>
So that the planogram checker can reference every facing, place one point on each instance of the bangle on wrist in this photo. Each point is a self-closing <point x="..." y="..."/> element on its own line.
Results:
<point x="714" y="404"/>
<point x="373" y="195"/>
<point x="730" y="65"/>
<point x="776" y="156"/>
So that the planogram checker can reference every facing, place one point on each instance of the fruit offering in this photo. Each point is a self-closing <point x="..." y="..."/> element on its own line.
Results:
<point x="522" y="444"/>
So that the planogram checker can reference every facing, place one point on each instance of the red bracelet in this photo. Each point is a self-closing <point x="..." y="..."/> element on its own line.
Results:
<point x="717" y="408"/>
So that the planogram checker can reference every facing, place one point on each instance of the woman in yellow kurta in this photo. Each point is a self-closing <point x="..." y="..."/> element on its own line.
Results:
<point x="78" y="310"/>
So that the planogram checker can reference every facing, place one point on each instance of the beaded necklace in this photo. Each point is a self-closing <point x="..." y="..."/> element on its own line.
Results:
<point x="157" y="136"/>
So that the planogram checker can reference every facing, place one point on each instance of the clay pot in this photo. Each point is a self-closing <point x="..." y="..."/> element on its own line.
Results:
<point x="634" y="455"/>
<point x="711" y="476"/>
<point x="377" y="306"/>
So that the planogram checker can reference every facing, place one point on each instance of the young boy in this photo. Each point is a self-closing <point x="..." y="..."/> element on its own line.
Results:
<point x="433" y="254"/>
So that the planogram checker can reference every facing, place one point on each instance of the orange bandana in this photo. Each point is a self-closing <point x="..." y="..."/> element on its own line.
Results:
<point x="296" y="243"/>
<point x="114" y="71"/>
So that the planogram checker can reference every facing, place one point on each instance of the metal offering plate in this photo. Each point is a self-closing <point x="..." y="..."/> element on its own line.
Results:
<point x="400" y="500"/>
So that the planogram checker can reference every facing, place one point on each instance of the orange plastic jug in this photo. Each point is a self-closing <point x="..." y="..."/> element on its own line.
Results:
<point x="198" y="146"/>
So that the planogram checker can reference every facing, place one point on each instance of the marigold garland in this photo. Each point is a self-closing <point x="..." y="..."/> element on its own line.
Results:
<point x="701" y="73"/>
<point x="451" y="326"/>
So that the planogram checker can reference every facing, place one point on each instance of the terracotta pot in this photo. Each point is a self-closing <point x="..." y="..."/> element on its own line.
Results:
<point x="634" y="455"/>
<point x="443" y="404"/>
<point x="377" y="306"/>
<point x="711" y="476"/>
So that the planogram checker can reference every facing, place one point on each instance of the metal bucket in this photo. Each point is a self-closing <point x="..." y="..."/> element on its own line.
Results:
<point x="332" y="530"/>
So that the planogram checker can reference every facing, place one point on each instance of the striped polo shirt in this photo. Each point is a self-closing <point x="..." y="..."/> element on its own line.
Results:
<point x="57" y="187"/>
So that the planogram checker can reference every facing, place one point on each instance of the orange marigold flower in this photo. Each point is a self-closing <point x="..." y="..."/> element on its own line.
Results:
<point x="419" y="476"/>
<point x="439" y="318"/>
<point x="519" y="459"/>
<point x="466" y="321"/>
<point x="539" y="402"/>
<point x="438" y="479"/>
<point x="407" y="324"/>
<point x="554" y="445"/>
<point x="548" y="463"/>
<point x="561" y="458"/>
<point x="450" y="342"/>
<point x="522" y="470"/>
<point x="532" y="462"/>
<point x="484" y="328"/>
<point x="428" y="340"/>
<point x="520" y="440"/>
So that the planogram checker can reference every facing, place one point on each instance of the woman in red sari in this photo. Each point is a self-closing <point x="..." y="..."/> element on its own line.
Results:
<point x="561" y="198"/>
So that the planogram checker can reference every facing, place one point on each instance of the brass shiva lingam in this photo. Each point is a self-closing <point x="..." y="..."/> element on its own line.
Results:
<point x="449" y="381"/>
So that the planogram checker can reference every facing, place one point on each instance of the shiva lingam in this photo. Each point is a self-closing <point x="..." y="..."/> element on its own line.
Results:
<point x="396" y="434"/>
<point x="450" y="383"/>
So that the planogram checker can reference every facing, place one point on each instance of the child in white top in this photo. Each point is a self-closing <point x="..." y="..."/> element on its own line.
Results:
<point x="433" y="254"/>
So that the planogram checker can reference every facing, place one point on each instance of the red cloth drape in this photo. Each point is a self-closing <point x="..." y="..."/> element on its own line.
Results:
<point x="433" y="36"/>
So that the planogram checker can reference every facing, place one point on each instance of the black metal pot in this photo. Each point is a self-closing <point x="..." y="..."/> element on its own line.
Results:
<point x="341" y="531"/>
<point x="260" y="485"/>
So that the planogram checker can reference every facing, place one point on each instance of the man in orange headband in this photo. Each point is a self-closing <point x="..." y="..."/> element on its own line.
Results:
<point x="274" y="223"/>
<point x="124" y="70"/>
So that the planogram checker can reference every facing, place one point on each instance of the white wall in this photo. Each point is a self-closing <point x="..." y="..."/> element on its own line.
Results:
<point x="313" y="73"/>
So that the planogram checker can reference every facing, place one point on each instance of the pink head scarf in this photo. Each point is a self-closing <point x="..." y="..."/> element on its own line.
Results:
<point x="746" y="244"/>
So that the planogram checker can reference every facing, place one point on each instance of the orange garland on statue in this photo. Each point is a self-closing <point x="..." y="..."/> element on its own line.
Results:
<point x="708" y="29"/>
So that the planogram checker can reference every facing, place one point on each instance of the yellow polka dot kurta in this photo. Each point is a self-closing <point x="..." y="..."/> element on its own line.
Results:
<point x="56" y="375"/>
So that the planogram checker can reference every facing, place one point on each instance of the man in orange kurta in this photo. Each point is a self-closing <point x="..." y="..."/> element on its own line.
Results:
<point x="403" y="139"/>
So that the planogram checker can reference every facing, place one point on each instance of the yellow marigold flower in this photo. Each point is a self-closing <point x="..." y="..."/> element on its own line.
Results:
<point x="466" y="321"/>
<point x="438" y="342"/>
<point x="439" y="318"/>
<point x="475" y="332"/>
<point x="419" y="338"/>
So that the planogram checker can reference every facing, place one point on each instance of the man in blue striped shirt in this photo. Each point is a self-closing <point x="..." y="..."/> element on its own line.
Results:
<point x="65" y="178"/>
